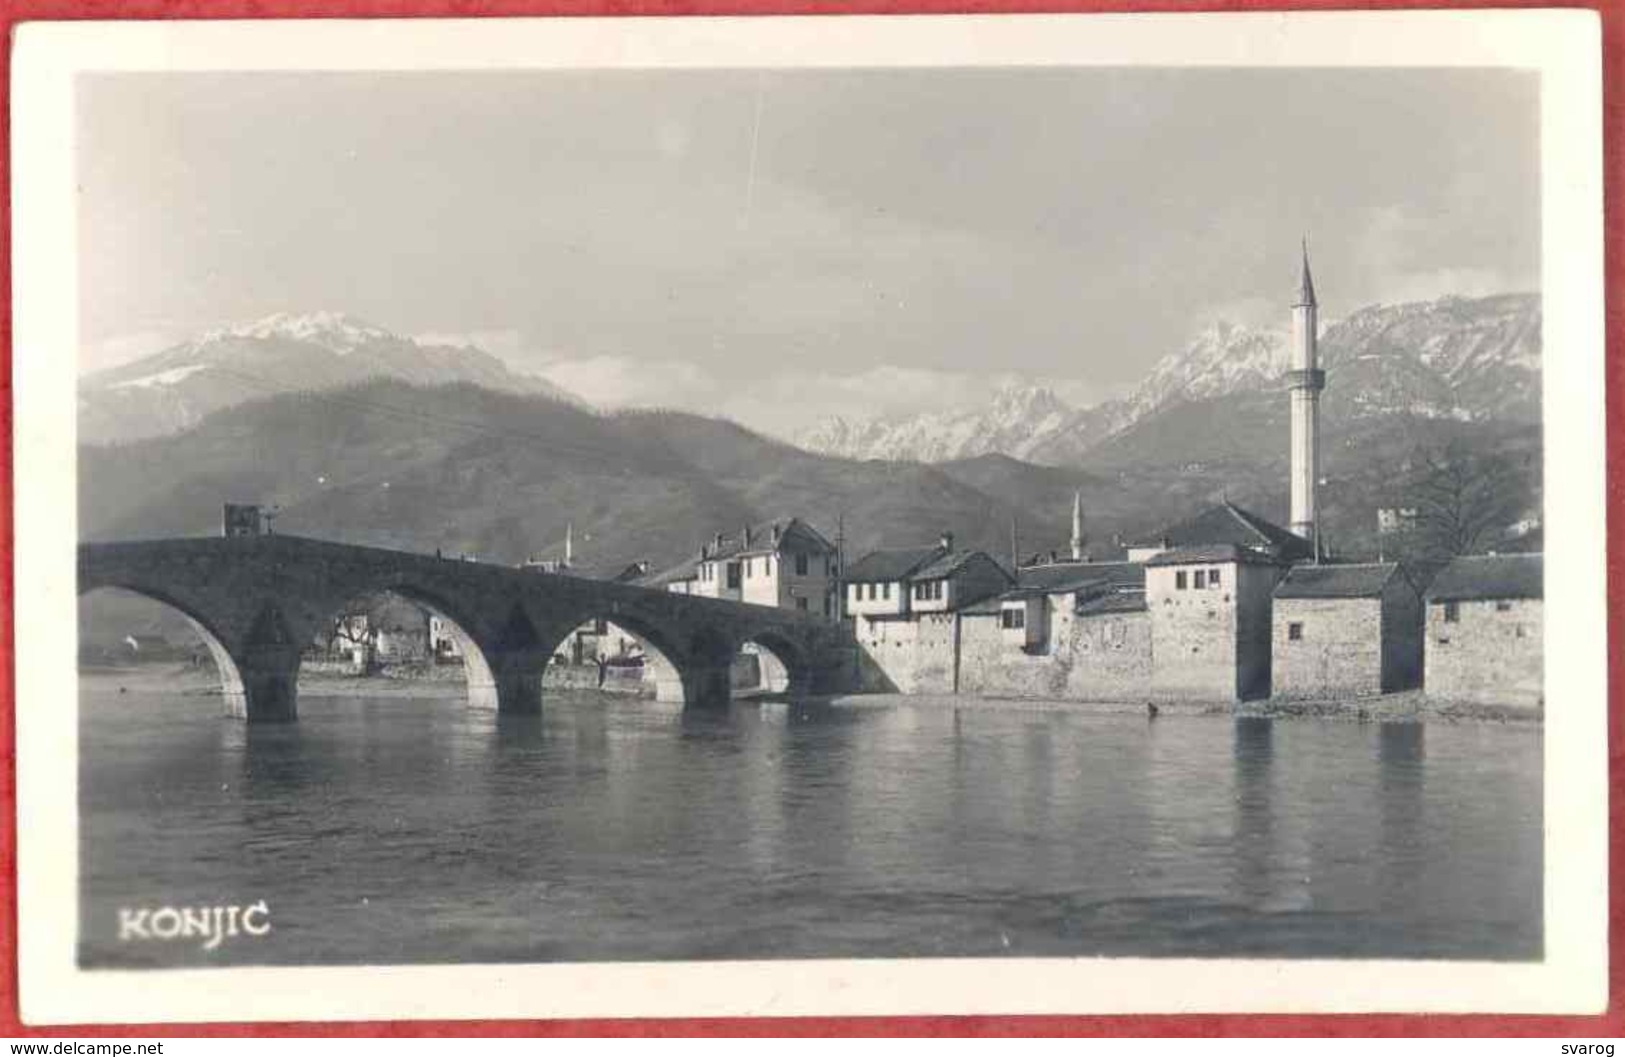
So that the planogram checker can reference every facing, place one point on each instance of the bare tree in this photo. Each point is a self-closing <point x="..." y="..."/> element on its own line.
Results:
<point x="1463" y="499"/>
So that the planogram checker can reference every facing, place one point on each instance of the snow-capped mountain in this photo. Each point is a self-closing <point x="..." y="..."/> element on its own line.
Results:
<point x="173" y="389"/>
<point x="1456" y="358"/>
<point x="1019" y="417"/>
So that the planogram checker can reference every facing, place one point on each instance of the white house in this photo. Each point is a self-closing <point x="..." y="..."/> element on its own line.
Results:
<point x="789" y="565"/>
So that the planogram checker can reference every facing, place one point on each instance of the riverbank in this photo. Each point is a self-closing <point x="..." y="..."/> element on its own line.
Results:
<point x="201" y="682"/>
<point x="1407" y="707"/>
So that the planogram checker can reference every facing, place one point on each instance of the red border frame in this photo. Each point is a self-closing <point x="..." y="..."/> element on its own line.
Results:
<point x="1610" y="1024"/>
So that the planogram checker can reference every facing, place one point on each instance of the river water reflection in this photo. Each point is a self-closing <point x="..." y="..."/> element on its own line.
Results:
<point x="383" y="830"/>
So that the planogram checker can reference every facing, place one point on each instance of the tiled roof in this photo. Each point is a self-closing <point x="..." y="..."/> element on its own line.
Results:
<point x="1490" y="576"/>
<point x="687" y="570"/>
<point x="894" y="564"/>
<point x="1070" y="576"/>
<point x="946" y="564"/>
<point x="1112" y="602"/>
<point x="1229" y="523"/>
<point x="1213" y="552"/>
<point x="1337" y="581"/>
<point x="762" y="540"/>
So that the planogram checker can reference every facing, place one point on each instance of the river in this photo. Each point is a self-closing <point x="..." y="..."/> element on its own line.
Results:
<point x="395" y="829"/>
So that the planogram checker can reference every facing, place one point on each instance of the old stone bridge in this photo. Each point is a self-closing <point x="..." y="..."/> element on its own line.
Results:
<point x="258" y="601"/>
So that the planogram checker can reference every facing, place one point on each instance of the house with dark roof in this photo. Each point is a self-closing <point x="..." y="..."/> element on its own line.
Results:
<point x="1484" y="630"/>
<point x="787" y="564"/>
<point x="1047" y="597"/>
<point x="954" y="579"/>
<point x="907" y="609"/>
<point x="1345" y="631"/>
<point x="679" y="579"/>
<point x="878" y="584"/>
<point x="1074" y="629"/>
<point x="899" y="582"/>
<point x="1225" y="523"/>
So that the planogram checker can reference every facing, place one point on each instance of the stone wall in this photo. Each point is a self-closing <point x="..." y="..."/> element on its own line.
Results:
<point x="1491" y="655"/>
<point x="990" y="666"/>
<point x="1194" y="638"/>
<point x="1104" y="657"/>
<point x="1339" y="653"/>
<point x="913" y="656"/>
<point x="1111" y="656"/>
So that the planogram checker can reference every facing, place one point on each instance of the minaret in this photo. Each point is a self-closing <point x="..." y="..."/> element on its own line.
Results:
<point x="1077" y="526"/>
<point x="569" y="544"/>
<point x="1305" y="379"/>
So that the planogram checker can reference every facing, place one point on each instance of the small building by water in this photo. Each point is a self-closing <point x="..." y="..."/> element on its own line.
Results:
<point x="1485" y="619"/>
<point x="1346" y="631"/>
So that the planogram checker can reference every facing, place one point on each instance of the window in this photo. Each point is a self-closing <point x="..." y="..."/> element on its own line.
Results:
<point x="801" y="565"/>
<point x="826" y="605"/>
<point x="871" y="592"/>
<point x="801" y="603"/>
<point x="1201" y="579"/>
<point x="1013" y="619"/>
<point x="1179" y="580"/>
<point x="886" y="591"/>
<point x="1452" y="612"/>
<point x="733" y="575"/>
<point x="1503" y="607"/>
<point x="1294" y="631"/>
<point x="1212" y="578"/>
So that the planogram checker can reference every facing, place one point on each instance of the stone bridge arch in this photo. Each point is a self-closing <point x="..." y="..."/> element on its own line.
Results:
<point x="239" y="649"/>
<point x="258" y="602"/>
<point x="792" y="656"/>
<point x="474" y="640"/>
<point x="681" y="657"/>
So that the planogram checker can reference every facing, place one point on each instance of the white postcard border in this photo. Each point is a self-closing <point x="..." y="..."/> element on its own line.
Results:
<point x="1564" y="46"/>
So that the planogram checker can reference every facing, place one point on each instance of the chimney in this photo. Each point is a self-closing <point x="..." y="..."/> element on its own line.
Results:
<point x="704" y="552"/>
<point x="744" y="534"/>
<point x="947" y="541"/>
<point x="777" y="532"/>
<point x="717" y="542"/>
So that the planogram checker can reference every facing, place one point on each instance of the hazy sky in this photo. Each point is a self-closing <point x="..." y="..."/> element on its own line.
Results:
<point x="785" y="244"/>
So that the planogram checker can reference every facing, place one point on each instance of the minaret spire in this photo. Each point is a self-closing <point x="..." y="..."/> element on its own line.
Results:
<point x="1305" y="380"/>
<point x="1077" y="526"/>
<point x="1306" y="282"/>
<point x="569" y="543"/>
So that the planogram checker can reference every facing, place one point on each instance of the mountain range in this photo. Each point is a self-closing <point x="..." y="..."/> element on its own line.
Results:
<point x="1466" y="359"/>
<point x="390" y="442"/>
<point x="175" y="389"/>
